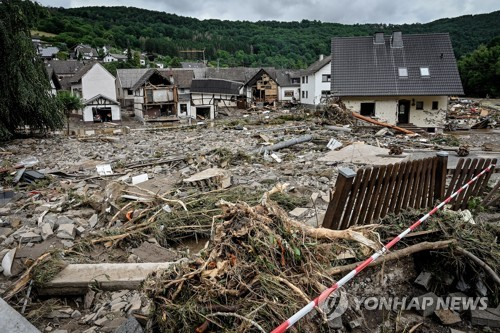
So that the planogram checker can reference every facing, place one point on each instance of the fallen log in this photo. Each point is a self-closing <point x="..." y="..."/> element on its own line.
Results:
<point x="425" y="246"/>
<point x="481" y="263"/>
<point x="394" y="127"/>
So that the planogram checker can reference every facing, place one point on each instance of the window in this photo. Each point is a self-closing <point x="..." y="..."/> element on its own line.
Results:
<point x="367" y="109"/>
<point x="303" y="94"/>
<point x="295" y="80"/>
<point x="419" y="105"/>
<point x="288" y="93"/>
<point x="326" y="78"/>
<point x="325" y="92"/>
<point x="424" y="71"/>
<point x="403" y="72"/>
<point x="303" y="79"/>
<point x="307" y="94"/>
<point x="435" y="105"/>
<point x="130" y="92"/>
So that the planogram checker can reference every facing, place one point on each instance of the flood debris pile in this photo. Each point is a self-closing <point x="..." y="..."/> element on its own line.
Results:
<point x="259" y="268"/>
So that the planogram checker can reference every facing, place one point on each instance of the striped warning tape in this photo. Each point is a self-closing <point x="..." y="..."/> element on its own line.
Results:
<point x="324" y="295"/>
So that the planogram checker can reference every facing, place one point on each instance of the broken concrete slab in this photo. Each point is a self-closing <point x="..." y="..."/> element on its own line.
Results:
<point x="427" y="304"/>
<point x="298" y="212"/>
<point x="12" y="321"/>
<point x="66" y="231"/>
<point x="361" y="153"/>
<point x="30" y="237"/>
<point x="210" y="179"/>
<point x="75" y="279"/>
<point x="47" y="231"/>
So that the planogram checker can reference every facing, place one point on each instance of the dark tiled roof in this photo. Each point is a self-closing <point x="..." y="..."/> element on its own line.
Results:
<point x="216" y="86"/>
<point x="65" y="67"/>
<point x="317" y="65"/>
<point x="78" y="76"/>
<point x="182" y="77"/>
<point x="240" y="74"/>
<point x="129" y="76"/>
<point x="362" y="68"/>
<point x="284" y="77"/>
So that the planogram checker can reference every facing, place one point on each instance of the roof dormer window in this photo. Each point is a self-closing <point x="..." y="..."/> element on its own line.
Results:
<point x="424" y="72"/>
<point x="403" y="72"/>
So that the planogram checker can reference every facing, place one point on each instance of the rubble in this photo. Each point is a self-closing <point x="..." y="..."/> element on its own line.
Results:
<point x="81" y="213"/>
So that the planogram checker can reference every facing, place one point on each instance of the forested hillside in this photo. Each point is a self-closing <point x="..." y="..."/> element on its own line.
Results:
<point x="239" y="43"/>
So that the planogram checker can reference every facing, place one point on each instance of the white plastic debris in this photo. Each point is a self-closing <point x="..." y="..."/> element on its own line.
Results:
<point x="104" y="169"/>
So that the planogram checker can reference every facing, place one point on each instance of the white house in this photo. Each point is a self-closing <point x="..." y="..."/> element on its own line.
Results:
<point x="315" y="81"/>
<point x="96" y="86"/>
<point x="114" y="57"/>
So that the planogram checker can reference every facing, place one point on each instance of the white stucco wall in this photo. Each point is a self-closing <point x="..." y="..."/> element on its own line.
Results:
<point x="98" y="81"/>
<point x="315" y="85"/>
<point x="386" y="109"/>
<point x="282" y="96"/>
<point x="89" y="117"/>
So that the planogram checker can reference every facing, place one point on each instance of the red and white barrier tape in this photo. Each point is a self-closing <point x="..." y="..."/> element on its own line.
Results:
<point x="324" y="295"/>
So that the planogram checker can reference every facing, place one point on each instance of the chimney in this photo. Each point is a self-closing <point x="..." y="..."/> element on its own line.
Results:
<point x="397" y="39"/>
<point x="378" y="38"/>
<point x="321" y="57"/>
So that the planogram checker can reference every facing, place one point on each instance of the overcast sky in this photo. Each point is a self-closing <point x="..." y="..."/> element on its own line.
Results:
<point x="339" y="11"/>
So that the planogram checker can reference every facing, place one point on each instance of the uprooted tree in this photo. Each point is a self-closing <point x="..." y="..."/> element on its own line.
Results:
<point x="25" y="99"/>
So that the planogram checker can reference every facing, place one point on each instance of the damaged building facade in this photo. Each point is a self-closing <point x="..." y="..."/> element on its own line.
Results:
<point x="401" y="79"/>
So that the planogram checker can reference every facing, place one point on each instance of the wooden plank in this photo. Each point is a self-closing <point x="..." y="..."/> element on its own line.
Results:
<point x="472" y="189"/>
<point x="460" y="181"/>
<point x="401" y="187"/>
<point x="337" y="202"/>
<point x="376" y="193"/>
<point x="432" y="184"/>
<point x="348" y="175"/>
<point x="416" y="196"/>
<point x="465" y="195"/>
<point x="384" y="192"/>
<point x="368" y="196"/>
<point x="350" y="213"/>
<point x="475" y="188"/>
<point x="75" y="279"/>
<point x="411" y="176"/>
<point x="483" y="181"/>
<point x="440" y="176"/>
<point x="391" y="194"/>
<point x="426" y="187"/>
<point x="361" y="196"/>
<point x="454" y="178"/>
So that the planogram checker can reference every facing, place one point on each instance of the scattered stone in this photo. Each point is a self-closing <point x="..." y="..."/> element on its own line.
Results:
<point x="118" y="306"/>
<point x="134" y="304"/>
<point x="210" y="179"/>
<point x="426" y="304"/>
<point x="12" y="321"/>
<point x="354" y="323"/>
<point x="47" y="231"/>
<point x="100" y="322"/>
<point x="424" y="280"/>
<point x="89" y="299"/>
<point x="80" y="230"/>
<point x="298" y="212"/>
<point x="130" y="326"/>
<point x="30" y="237"/>
<point x="76" y="314"/>
<point x="66" y="231"/>
<point x="336" y="323"/>
<point x="448" y="317"/>
<point x="93" y="221"/>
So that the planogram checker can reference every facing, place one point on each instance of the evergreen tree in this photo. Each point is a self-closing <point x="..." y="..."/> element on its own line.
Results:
<point x="25" y="99"/>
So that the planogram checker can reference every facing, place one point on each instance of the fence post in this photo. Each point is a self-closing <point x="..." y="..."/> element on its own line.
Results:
<point x="440" y="177"/>
<point x="336" y="206"/>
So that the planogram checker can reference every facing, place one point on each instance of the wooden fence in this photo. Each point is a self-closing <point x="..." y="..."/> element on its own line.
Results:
<point x="372" y="193"/>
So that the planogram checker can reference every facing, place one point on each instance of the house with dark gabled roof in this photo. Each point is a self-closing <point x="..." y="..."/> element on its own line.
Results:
<point x="210" y="95"/>
<point x="400" y="79"/>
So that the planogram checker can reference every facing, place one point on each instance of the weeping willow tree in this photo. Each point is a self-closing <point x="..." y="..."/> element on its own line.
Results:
<point x="25" y="99"/>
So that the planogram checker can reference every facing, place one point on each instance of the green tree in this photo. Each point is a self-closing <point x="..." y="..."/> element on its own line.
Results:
<point x="68" y="103"/>
<point x="25" y="99"/>
<point x="480" y="71"/>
